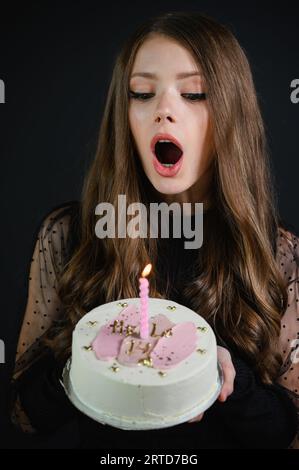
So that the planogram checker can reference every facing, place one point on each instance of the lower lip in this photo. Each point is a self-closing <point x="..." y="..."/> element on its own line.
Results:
<point x="167" y="171"/>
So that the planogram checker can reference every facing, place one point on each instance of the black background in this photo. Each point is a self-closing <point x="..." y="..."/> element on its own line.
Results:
<point x="56" y="62"/>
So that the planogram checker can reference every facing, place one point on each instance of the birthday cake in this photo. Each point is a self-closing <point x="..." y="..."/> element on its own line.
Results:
<point x="119" y="378"/>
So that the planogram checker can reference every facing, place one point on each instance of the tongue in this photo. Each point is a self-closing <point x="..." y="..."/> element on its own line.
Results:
<point x="167" y="152"/>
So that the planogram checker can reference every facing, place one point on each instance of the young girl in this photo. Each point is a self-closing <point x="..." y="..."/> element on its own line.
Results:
<point x="185" y="76"/>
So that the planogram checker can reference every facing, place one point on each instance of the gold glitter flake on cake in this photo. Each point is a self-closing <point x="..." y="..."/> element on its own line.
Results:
<point x="201" y="351"/>
<point x="92" y="323"/>
<point x="148" y="362"/>
<point x="87" y="348"/>
<point x="171" y="307"/>
<point x="114" y="368"/>
<point x="122" y="304"/>
<point x="162" y="374"/>
<point x="203" y="329"/>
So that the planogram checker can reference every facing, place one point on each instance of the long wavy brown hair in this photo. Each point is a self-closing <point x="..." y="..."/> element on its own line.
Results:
<point x="238" y="288"/>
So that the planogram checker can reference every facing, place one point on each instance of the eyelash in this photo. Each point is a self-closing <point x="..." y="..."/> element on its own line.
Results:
<point x="188" y="96"/>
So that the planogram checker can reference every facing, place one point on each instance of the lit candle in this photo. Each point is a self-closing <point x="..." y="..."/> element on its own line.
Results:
<point x="143" y="292"/>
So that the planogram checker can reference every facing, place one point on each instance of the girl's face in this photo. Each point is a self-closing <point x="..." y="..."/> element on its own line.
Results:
<point x="166" y="107"/>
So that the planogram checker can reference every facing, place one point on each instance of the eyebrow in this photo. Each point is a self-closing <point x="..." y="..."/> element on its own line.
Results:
<point x="153" y="76"/>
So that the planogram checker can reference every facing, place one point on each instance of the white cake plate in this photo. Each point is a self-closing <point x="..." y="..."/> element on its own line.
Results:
<point x="126" y="423"/>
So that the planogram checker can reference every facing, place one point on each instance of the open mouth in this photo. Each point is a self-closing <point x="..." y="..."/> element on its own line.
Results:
<point x="167" y="153"/>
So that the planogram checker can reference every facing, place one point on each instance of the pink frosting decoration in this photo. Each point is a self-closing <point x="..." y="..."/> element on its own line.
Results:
<point x="169" y="351"/>
<point x="106" y="344"/>
<point x="142" y="347"/>
<point x="129" y="348"/>
<point x="140" y="350"/>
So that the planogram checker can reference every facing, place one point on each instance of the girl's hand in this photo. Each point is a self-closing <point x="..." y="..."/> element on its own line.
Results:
<point x="229" y="375"/>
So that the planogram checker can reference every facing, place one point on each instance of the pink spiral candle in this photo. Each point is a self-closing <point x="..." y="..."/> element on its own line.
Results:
<point x="143" y="293"/>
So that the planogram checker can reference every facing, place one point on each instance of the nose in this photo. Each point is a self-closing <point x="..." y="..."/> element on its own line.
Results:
<point x="165" y="109"/>
<point x="163" y="116"/>
<point x="163" y="112"/>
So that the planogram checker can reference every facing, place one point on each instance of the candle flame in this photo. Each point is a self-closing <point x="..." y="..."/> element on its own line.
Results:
<point x="146" y="270"/>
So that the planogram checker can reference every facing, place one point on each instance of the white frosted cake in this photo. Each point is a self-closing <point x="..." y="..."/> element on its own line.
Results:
<point x="117" y="378"/>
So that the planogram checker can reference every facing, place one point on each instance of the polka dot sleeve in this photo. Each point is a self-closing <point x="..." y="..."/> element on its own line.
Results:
<point x="288" y="260"/>
<point x="43" y="304"/>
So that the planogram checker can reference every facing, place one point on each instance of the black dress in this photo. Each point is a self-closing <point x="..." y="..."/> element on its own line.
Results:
<point x="254" y="416"/>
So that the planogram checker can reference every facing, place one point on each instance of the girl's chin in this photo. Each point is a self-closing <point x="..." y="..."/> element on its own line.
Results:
<point x="169" y="187"/>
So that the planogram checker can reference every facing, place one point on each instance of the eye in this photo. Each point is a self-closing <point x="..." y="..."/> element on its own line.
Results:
<point x="188" y="96"/>
<point x="194" y="96"/>
<point x="140" y="96"/>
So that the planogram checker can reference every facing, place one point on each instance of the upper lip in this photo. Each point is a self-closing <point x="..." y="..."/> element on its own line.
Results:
<point x="164" y="137"/>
